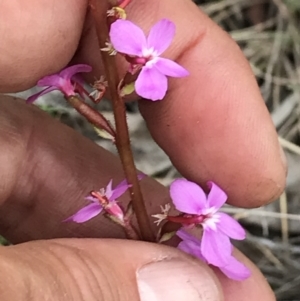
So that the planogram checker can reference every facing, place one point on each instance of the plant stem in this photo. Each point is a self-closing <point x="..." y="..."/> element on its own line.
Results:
<point x="124" y="3"/>
<point x="130" y="232"/>
<point x="99" y="9"/>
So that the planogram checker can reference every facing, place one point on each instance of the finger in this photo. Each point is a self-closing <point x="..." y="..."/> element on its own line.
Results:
<point x="250" y="289"/>
<point x="46" y="171"/>
<point x="38" y="37"/>
<point x="115" y="270"/>
<point x="104" y="270"/>
<point x="213" y="124"/>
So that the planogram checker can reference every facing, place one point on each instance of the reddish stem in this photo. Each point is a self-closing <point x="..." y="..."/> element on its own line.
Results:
<point x="99" y="9"/>
<point x="124" y="3"/>
<point x="186" y="220"/>
<point x="130" y="231"/>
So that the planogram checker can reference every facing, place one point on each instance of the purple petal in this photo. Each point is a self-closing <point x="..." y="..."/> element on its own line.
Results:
<point x="216" y="247"/>
<point x="127" y="38"/>
<point x="141" y="176"/>
<point x="122" y="187"/>
<point x="119" y="190"/>
<point x="34" y="97"/>
<point x="69" y="72"/>
<point x="85" y="213"/>
<point x="186" y="247"/>
<point x="108" y="189"/>
<point x="236" y="270"/>
<point x="187" y="237"/>
<point x="216" y="197"/>
<point x="53" y="80"/>
<point x="231" y="227"/>
<point x="192" y="249"/>
<point x="161" y="36"/>
<point x="151" y="84"/>
<point x="187" y="196"/>
<point x="190" y="244"/>
<point x="170" y="68"/>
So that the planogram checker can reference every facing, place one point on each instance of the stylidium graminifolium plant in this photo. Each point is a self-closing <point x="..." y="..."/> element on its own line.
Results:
<point x="204" y="230"/>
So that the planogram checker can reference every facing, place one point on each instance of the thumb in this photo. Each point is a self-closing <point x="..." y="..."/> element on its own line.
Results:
<point x="107" y="269"/>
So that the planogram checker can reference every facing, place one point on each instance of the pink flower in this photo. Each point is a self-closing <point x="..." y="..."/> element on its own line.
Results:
<point x="233" y="269"/>
<point x="218" y="227"/>
<point x="63" y="81"/>
<point x="105" y="199"/>
<point x="129" y="39"/>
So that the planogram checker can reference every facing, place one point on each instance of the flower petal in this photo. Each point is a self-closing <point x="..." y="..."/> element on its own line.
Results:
<point x="151" y="84"/>
<point x="127" y="38"/>
<point x="119" y="190"/>
<point x="186" y="247"/>
<point x="216" y="197"/>
<point x="192" y="249"/>
<point x="236" y="270"/>
<point x="68" y="72"/>
<point x="187" y="196"/>
<point x="34" y="97"/>
<point x="86" y="213"/>
<point x="108" y="189"/>
<point x="170" y="68"/>
<point x="230" y="227"/>
<point x="161" y="36"/>
<point x="189" y="244"/>
<point x="53" y="80"/>
<point x="216" y="247"/>
<point x="187" y="236"/>
<point x="141" y="176"/>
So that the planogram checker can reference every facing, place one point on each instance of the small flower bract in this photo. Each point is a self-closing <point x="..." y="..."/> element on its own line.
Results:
<point x="129" y="39"/>
<point x="63" y="81"/>
<point x="199" y="209"/>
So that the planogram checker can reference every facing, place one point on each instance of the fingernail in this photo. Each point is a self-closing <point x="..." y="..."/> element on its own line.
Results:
<point x="176" y="279"/>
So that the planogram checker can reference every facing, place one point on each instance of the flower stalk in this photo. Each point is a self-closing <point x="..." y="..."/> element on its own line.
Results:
<point x="99" y="9"/>
<point x="93" y="116"/>
<point x="124" y="3"/>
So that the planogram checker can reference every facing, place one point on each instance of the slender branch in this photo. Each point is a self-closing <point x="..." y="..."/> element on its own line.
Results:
<point x="99" y="9"/>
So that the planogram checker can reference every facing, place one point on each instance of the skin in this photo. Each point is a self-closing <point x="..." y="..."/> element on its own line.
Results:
<point x="213" y="125"/>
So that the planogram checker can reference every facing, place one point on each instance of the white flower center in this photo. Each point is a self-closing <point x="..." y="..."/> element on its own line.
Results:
<point x="149" y="53"/>
<point x="212" y="218"/>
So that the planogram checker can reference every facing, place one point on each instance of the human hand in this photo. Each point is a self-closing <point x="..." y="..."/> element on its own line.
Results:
<point x="214" y="126"/>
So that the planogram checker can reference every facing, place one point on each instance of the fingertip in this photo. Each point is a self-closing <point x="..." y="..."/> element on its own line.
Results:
<point x="38" y="38"/>
<point x="255" y="287"/>
<point x="214" y="124"/>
